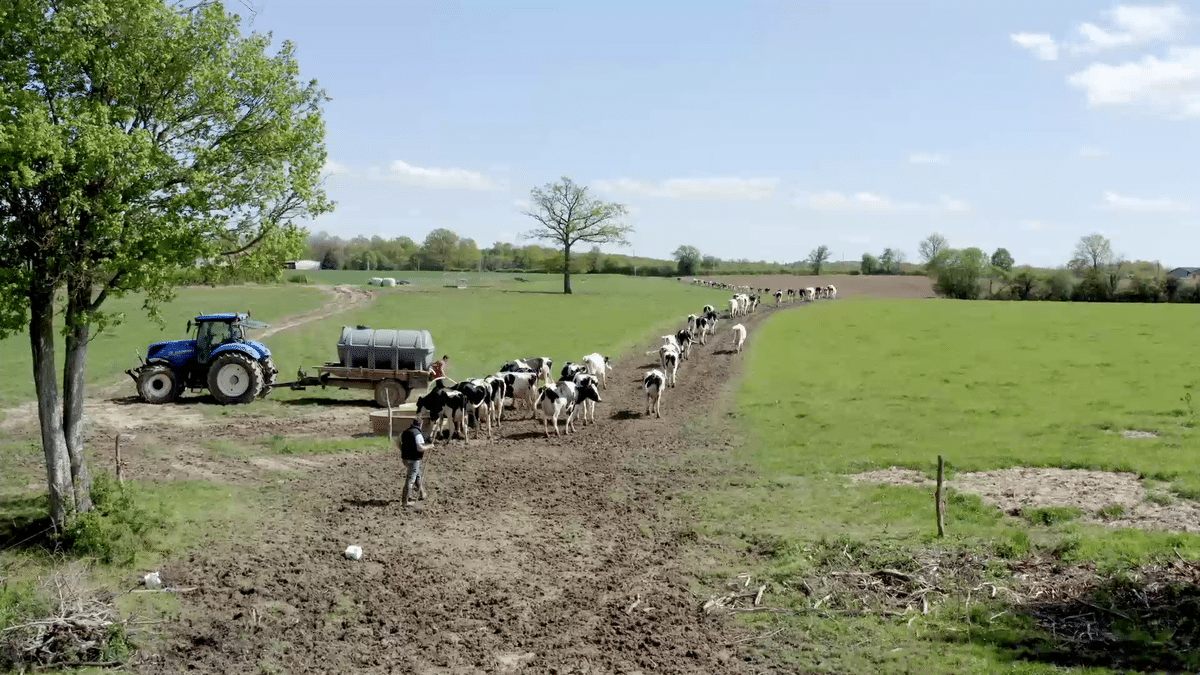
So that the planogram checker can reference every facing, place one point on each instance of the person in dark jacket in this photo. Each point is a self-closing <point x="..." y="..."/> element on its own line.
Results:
<point x="412" y="453"/>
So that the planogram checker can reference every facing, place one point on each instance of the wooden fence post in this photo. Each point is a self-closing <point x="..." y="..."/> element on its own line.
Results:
<point x="387" y="396"/>
<point x="937" y="495"/>
<point x="118" y="458"/>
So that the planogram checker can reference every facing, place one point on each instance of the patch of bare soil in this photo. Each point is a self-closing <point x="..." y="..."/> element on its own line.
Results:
<point x="1015" y="489"/>
<point x="531" y="554"/>
<point x="881" y="286"/>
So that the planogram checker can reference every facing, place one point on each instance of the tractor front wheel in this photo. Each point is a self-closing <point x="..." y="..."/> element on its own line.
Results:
<point x="157" y="384"/>
<point x="235" y="378"/>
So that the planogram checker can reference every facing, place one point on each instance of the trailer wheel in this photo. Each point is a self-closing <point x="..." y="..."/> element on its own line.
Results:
<point x="390" y="390"/>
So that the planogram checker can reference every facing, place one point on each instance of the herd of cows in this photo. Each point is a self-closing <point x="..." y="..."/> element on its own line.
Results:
<point x="479" y="402"/>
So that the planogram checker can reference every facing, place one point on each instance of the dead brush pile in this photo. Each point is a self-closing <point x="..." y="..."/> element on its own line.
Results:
<point x="885" y="591"/>
<point x="1145" y="619"/>
<point x="81" y="629"/>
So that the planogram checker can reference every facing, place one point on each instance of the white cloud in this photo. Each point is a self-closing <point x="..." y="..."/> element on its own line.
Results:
<point x="927" y="158"/>
<point x="696" y="188"/>
<point x="1042" y="45"/>
<point x="1118" y="202"/>
<point x="460" y="179"/>
<point x="1170" y="85"/>
<point x="873" y="203"/>
<point x="333" y="168"/>
<point x="1032" y="225"/>
<point x="1089" y="152"/>
<point x="1132" y="25"/>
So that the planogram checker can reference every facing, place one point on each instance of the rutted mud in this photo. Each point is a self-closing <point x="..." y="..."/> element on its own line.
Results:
<point x="528" y="556"/>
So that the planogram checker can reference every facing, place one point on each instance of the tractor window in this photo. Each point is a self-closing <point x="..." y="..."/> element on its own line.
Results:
<point x="213" y="334"/>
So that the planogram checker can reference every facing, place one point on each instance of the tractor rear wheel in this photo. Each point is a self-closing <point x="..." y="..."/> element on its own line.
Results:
<point x="269" y="372"/>
<point x="235" y="378"/>
<point x="158" y="384"/>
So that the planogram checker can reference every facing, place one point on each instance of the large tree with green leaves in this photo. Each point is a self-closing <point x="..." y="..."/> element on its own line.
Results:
<point x="817" y="258"/>
<point x="687" y="259"/>
<point x="567" y="215"/>
<point x="137" y="138"/>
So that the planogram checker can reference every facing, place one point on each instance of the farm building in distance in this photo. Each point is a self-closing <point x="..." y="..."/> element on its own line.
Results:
<point x="1184" y="272"/>
<point x="302" y="265"/>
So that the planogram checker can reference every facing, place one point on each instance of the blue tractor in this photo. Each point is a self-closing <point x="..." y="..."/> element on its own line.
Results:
<point x="219" y="358"/>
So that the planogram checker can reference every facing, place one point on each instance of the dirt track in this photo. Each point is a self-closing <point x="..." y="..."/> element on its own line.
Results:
<point x="527" y="557"/>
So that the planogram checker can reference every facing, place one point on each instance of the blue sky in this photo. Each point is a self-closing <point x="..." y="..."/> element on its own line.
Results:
<point x="762" y="130"/>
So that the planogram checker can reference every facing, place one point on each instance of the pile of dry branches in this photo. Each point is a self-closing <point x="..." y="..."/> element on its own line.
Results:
<point x="79" y="631"/>
<point x="1101" y="616"/>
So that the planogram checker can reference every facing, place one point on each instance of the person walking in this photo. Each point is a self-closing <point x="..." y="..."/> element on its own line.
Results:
<point x="412" y="453"/>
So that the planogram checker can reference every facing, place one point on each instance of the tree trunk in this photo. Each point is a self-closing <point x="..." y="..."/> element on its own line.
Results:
<point x="45" y="380"/>
<point x="74" y="369"/>
<point x="567" y="269"/>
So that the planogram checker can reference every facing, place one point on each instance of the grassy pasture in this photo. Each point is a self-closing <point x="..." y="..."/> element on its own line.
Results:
<point x="424" y="278"/>
<point x="867" y="384"/>
<point x="482" y="328"/>
<point x="112" y="351"/>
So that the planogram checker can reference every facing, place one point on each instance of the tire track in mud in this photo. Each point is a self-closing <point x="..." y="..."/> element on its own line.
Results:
<point x="536" y="555"/>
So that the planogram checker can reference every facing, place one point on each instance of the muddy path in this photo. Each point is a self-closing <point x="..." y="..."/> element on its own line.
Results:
<point x="111" y="406"/>
<point x="534" y="555"/>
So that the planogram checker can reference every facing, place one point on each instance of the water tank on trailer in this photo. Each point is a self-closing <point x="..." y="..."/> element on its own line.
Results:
<point x="385" y="349"/>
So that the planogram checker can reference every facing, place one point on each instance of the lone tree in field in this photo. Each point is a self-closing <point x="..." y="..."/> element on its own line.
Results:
<point x="569" y="216"/>
<point x="817" y="258"/>
<point x="1002" y="260"/>
<point x="931" y="246"/>
<point x="687" y="259"/>
<point x="1093" y="252"/>
<point x="138" y="138"/>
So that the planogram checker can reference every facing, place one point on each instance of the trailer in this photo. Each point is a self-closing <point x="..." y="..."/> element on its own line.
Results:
<point x="389" y="386"/>
<point x="391" y="363"/>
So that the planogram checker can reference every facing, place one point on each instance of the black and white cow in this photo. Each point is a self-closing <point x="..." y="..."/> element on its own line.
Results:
<point x="669" y="358"/>
<point x="479" y="402"/>
<point x="588" y="405"/>
<point x="542" y="365"/>
<point x="521" y="386"/>
<point x="684" y="340"/>
<point x="570" y="369"/>
<point x="560" y="400"/>
<point x="444" y="404"/>
<point x="598" y="366"/>
<point x="653" y="382"/>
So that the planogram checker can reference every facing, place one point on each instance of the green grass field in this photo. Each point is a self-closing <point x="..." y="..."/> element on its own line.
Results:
<point x="881" y="383"/>
<point x="481" y="329"/>
<point x="112" y="351"/>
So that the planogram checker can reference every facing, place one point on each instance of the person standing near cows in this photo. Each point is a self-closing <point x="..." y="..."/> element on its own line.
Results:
<point x="412" y="453"/>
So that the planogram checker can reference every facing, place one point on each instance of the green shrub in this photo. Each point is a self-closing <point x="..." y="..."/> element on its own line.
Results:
<point x="299" y="279"/>
<point x="1050" y="515"/>
<point x="1058" y="286"/>
<point x="117" y="528"/>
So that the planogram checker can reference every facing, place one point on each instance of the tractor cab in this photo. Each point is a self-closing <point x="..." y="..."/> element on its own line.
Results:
<point x="214" y="330"/>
